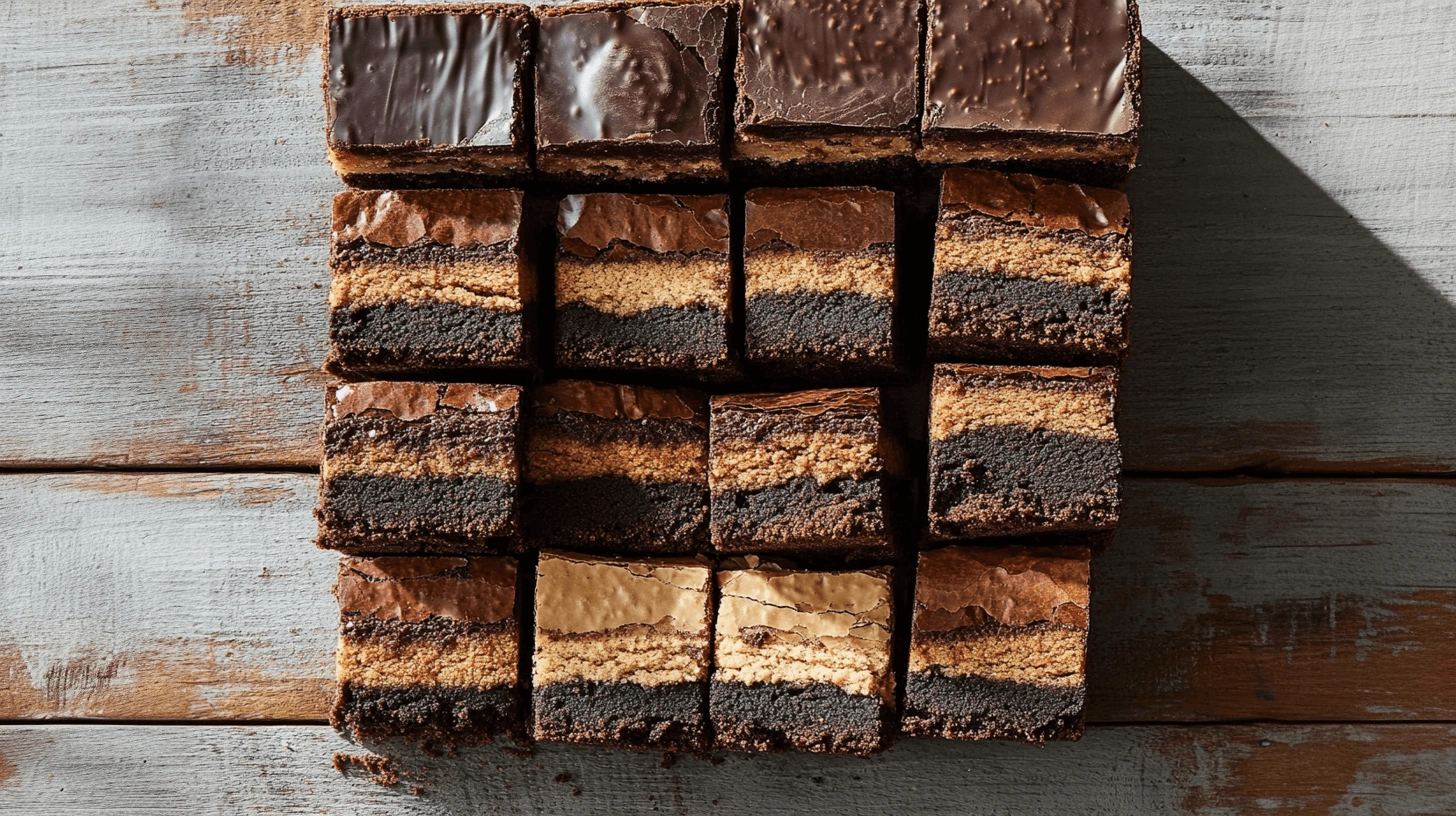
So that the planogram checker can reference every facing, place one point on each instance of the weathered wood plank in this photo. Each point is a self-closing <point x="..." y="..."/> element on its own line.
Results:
<point x="288" y="769"/>
<point x="165" y="171"/>
<point x="200" y="597"/>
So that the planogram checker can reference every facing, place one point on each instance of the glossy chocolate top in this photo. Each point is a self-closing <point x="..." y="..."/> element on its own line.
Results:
<point x="409" y="401"/>
<point x="1104" y="377"/>
<point x="1030" y="65"/>
<point x="408" y="588"/>
<point x="851" y="400"/>
<point x="578" y="594"/>
<point x="1034" y="201"/>
<point x="842" y="219"/>
<point x="630" y="73"/>
<point x="399" y="218"/>
<point x="848" y="63"/>
<point x="620" y="401"/>
<point x="812" y="605"/>
<point x="1013" y="586"/>
<point x="593" y="222"/>
<point x="429" y="74"/>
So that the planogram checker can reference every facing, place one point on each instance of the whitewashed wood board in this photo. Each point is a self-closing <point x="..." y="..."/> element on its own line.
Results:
<point x="165" y="172"/>
<point x="201" y="597"/>
<point x="1389" y="769"/>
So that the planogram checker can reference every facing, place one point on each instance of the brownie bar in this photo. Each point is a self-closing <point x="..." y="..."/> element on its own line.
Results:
<point x="622" y="650"/>
<point x="801" y="472"/>
<point x="802" y="661"/>
<point x="428" y="649"/>
<point x="617" y="467"/>
<point x="819" y="281"/>
<point x="631" y="90"/>
<point x="428" y="279"/>
<point x="420" y="90"/>
<point x="1029" y="270"/>
<point x="826" y="81"/>
<point x="998" y="645"/>
<point x="1022" y="450"/>
<point x="642" y="284"/>
<point x="1055" y="85"/>
<point x="419" y="466"/>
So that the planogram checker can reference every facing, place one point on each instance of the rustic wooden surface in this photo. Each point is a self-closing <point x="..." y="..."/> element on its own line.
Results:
<point x="1260" y="644"/>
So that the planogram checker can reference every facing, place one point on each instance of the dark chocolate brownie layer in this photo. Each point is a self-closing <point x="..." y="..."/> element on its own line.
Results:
<point x="662" y="337"/>
<point x="977" y="708"/>
<point x="816" y="717"/>
<point x="819" y="330"/>
<point x="1018" y="319"/>
<point x="610" y="512"/>
<point x="669" y="716"/>
<point x="401" y="336"/>
<point x="1045" y="474"/>
<point x="361" y="513"/>
<point x="845" y="514"/>
<point x="440" y="714"/>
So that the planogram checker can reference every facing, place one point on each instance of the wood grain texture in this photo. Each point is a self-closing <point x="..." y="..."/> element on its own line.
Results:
<point x="173" y="597"/>
<point x="1292" y="293"/>
<point x="288" y="769"/>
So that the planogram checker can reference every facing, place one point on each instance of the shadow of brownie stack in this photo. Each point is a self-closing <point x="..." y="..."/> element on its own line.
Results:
<point x="668" y="507"/>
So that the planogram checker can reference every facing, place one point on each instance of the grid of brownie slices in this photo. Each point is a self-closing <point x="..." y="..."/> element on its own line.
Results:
<point x="731" y="376"/>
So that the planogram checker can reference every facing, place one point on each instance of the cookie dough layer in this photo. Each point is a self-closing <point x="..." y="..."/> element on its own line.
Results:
<point x="642" y="282"/>
<point x="1022" y="450"/>
<point x="810" y="148"/>
<point x="869" y="272"/>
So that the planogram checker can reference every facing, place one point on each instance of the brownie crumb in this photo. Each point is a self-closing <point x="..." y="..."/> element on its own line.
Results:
<point x="381" y="770"/>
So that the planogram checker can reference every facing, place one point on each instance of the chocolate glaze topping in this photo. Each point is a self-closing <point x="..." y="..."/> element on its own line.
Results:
<point x="849" y="63"/>
<point x="644" y="73"/>
<point x="1030" y="65"/>
<point x="398" y="76"/>
<point x="476" y="590"/>
<point x="813" y="403"/>
<point x="1104" y="376"/>
<point x="1034" y="201"/>
<point x="810" y="604"/>
<point x="593" y="222"/>
<point x="409" y="401"/>
<point x="1014" y="586"/>
<point x="833" y="219"/>
<point x="399" y="218"/>
<point x="620" y="401"/>
<point x="581" y="595"/>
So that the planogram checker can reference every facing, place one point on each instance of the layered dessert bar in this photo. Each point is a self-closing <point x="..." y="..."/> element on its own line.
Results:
<point x="802" y="472"/>
<point x="428" y="649"/>
<point x="1022" y="450"/>
<point x="998" y="645"/>
<point x="622" y="651"/>
<point x="1054" y="84"/>
<point x="631" y="90"/>
<point x="802" y="660"/>
<point x="412" y="467"/>
<point x="1029" y="270"/>
<point x="826" y="81"/>
<point x="643" y="284"/>
<point x="429" y="280"/>
<point x="617" y="467"/>
<point x="426" y="90"/>
<point x="819" y="281"/>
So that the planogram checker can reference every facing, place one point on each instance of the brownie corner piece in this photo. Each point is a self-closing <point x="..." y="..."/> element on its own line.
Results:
<point x="802" y="472"/>
<point x="617" y="468"/>
<point x="622" y="651"/>
<point x="427" y="90"/>
<point x="1053" y="86"/>
<point x="429" y="650"/>
<point x="820" y="281"/>
<point x="429" y="280"/>
<point x="1029" y="270"/>
<point x="643" y="284"/>
<point x="826" y="82"/>
<point x="1018" y="450"/>
<point x="631" y="90"/>
<point x="802" y="660"/>
<point x="411" y="467"/>
<point x="998" y="643"/>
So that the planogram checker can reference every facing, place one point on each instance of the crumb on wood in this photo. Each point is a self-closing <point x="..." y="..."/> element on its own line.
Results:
<point x="562" y="778"/>
<point x="519" y="753"/>
<point x="668" y="759"/>
<point x="417" y="790"/>
<point x="380" y="769"/>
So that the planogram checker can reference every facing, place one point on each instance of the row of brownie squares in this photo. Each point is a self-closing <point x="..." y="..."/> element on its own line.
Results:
<point x="1025" y="269"/>
<point x="669" y="654"/>
<point x="641" y="90"/>
<point x="458" y="468"/>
